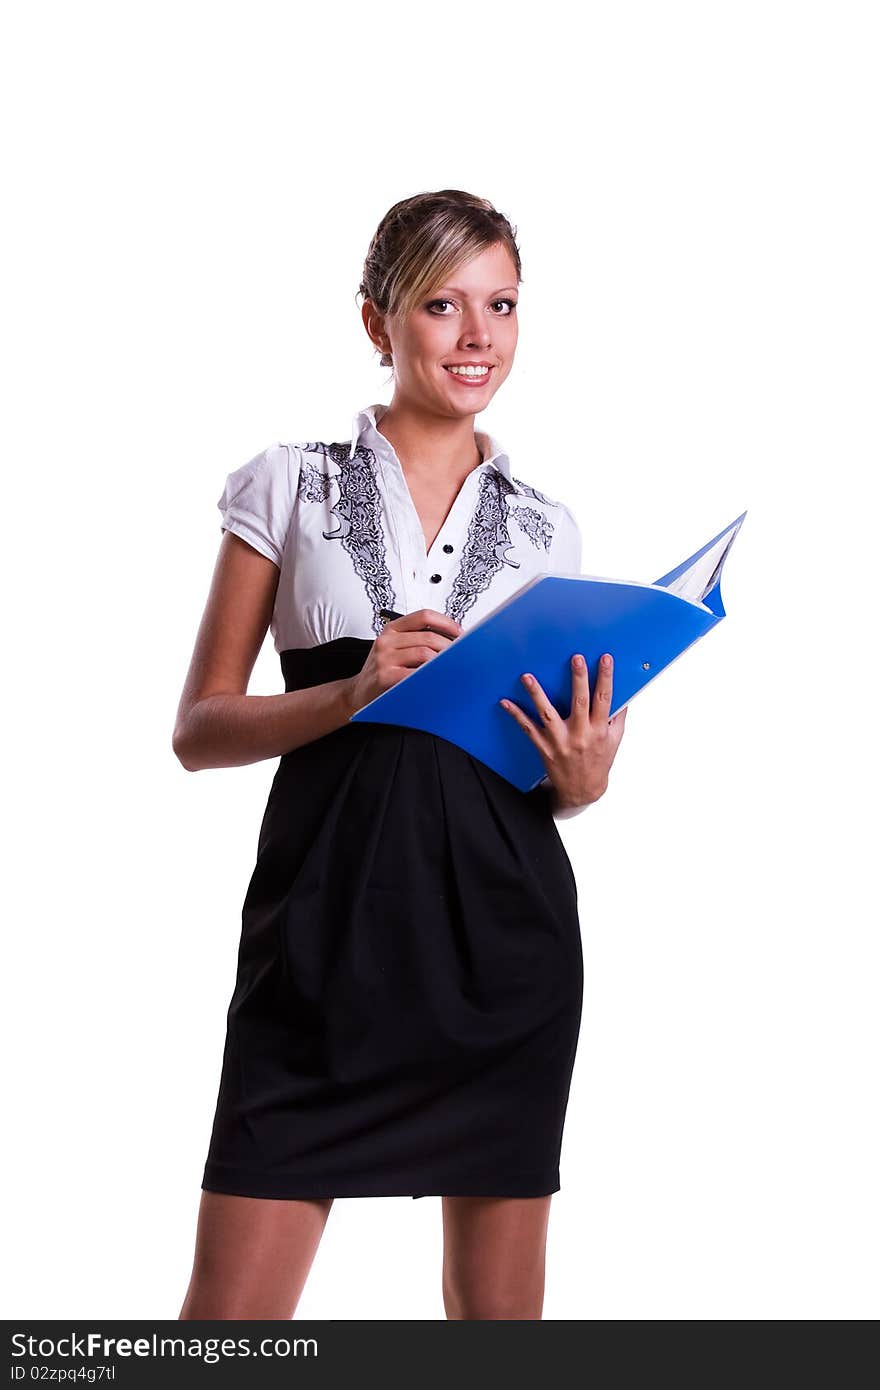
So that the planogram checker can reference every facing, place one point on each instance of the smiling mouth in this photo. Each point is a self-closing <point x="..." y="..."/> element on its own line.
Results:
<point x="470" y="378"/>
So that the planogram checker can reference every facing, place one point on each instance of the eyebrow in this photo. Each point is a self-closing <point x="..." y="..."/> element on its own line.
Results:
<point x="456" y="290"/>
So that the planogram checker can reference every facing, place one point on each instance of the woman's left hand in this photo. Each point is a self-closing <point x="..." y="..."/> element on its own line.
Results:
<point x="577" y="752"/>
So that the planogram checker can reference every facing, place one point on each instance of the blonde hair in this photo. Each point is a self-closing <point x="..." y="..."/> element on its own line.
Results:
<point x="421" y="240"/>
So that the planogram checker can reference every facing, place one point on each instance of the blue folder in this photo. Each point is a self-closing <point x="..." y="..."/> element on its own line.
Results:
<point x="645" y="627"/>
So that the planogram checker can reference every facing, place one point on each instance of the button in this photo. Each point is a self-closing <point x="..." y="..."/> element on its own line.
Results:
<point x="435" y="578"/>
<point x="448" y="549"/>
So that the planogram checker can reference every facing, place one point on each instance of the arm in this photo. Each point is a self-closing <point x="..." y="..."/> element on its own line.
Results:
<point x="218" y="724"/>
<point x="561" y="811"/>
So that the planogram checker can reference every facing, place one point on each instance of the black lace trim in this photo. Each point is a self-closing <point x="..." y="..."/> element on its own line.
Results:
<point x="358" y="509"/>
<point x="535" y="525"/>
<point x="360" y="531"/>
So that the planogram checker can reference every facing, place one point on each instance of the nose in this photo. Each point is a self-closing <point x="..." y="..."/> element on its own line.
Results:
<point x="475" y="331"/>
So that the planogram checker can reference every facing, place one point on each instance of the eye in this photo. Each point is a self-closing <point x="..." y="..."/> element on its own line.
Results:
<point x="511" y="303"/>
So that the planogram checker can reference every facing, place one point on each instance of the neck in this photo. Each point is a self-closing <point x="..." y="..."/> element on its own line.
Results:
<point x="431" y="446"/>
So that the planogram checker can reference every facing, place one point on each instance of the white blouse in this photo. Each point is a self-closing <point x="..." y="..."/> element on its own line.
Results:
<point x="339" y="522"/>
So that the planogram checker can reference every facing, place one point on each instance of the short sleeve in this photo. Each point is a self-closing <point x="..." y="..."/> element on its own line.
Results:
<point x="257" y="501"/>
<point x="565" y="551"/>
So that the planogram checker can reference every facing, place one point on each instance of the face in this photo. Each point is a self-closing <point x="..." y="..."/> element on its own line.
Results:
<point x="471" y="318"/>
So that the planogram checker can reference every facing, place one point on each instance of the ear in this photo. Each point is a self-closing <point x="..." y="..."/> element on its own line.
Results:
<point x="374" y="323"/>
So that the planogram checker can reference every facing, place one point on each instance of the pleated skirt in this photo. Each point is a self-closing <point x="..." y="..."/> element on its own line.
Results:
<point x="409" y="982"/>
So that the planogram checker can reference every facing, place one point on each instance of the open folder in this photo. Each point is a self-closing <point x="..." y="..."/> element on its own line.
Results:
<point x="645" y="627"/>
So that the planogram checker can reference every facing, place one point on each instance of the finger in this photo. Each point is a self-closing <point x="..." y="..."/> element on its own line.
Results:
<point x="548" y="712"/>
<point x="528" y="727"/>
<point x="601" y="702"/>
<point x="618" y="724"/>
<point x="429" y="618"/>
<point x="401" y="639"/>
<point x="580" y="693"/>
<point x="425" y="647"/>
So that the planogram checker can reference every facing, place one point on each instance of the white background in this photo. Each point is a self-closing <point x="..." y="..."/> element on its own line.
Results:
<point x="694" y="187"/>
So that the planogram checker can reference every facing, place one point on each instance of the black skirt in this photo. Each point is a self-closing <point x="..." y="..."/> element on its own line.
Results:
<point x="410" y="974"/>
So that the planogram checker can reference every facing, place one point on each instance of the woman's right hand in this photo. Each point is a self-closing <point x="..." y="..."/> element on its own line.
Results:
<point x="402" y="645"/>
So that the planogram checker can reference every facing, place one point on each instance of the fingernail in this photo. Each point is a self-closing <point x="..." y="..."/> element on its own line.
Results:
<point x="606" y="660"/>
<point x="578" y="662"/>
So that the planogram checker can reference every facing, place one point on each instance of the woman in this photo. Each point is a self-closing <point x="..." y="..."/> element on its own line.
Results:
<point x="410" y="976"/>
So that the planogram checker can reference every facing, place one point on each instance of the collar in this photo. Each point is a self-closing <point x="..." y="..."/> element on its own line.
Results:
<point x="363" y="429"/>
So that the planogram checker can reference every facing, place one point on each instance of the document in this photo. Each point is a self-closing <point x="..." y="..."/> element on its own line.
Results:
<point x="644" y="626"/>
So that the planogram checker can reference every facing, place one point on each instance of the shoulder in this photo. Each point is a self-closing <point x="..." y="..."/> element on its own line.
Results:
<point x="557" y="525"/>
<point x="559" y="515"/>
<point x="258" y="498"/>
<point x="558" y="512"/>
<point x="567" y="547"/>
<point x="565" y="534"/>
<point x="282" y="469"/>
<point x="528" y="491"/>
<point x="271" y="468"/>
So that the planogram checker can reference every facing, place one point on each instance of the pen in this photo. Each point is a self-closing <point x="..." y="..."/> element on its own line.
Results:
<point x="389" y="613"/>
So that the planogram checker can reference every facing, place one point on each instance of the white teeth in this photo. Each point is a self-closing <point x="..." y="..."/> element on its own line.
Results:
<point x="469" y="371"/>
